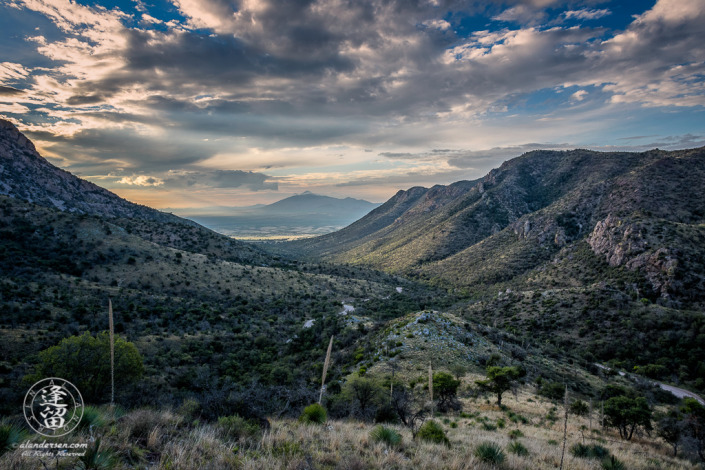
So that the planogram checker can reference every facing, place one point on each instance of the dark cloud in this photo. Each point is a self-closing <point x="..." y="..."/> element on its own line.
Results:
<point x="220" y="179"/>
<point x="9" y="91"/>
<point x="101" y="150"/>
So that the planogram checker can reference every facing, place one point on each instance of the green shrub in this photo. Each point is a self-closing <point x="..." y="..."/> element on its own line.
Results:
<point x="579" y="408"/>
<point x="516" y="447"/>
<point x="314" y="414"/>
<point x="385" y="435"/>
<point x="489" y="452"/>
<point x="433" y="432"/>
<point x="236" y="427"/>
<point x="386" y="414"/>
<point x="552" y="390"/>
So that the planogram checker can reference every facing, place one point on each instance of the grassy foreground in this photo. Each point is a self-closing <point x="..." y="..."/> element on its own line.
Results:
<point x="167" y="439"/>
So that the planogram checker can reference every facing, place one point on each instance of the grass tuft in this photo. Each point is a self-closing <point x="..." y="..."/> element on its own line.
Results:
<point x="515" y="434"/>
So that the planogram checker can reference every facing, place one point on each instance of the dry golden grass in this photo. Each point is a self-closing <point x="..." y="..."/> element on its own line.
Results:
<point x="164" y="440"/>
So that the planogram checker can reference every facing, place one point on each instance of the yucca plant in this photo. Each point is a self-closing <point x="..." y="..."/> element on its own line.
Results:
<point x="92" y="417"/>
<point x="95" y="459"/>
<point x="613" y="464"/>
<point x="385" y="435"/>
<point x="593" y="451"/>
<point x="599" y="452"/>
<point x="10" y="436"/>
<point x="516" y="447"/>
<point x="489" y="452"/>
<point x="580" y="450"/>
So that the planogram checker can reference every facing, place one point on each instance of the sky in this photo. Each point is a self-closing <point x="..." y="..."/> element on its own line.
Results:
<point x="188" y="104"/>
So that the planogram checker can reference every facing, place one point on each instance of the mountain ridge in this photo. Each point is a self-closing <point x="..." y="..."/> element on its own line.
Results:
<point x="26" y="175"/>
<point x="546" y="199"/>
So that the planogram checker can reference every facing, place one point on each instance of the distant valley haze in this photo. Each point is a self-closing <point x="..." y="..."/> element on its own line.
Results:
<point x="300" y="215"/>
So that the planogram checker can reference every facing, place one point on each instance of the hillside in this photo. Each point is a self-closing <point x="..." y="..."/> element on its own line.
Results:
<point x="187" y="296"/>
<point x="529" y="209"/>
<point x="599" y="254"/>
<point x="228" y="334"/>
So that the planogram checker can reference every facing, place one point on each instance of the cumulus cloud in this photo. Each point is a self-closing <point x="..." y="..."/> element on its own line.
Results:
<point x="579" y="95"/>
<point x="141" y="180"/>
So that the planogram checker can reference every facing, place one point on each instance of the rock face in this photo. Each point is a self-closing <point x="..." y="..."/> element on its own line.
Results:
<point x="24" y="174"/>
<point x="625" y="242"/>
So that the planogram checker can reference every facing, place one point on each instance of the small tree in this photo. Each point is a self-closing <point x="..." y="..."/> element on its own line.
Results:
<point x="364" y="392"/>
<point x="627" y="414"/>
<point x="500" y="379"/>
<point x="85" y="361"/>
<point x="670" y="428"/>
<point x="694" y="414"/>
<point x="410" y="405"/>
<point x="446" y="388"/>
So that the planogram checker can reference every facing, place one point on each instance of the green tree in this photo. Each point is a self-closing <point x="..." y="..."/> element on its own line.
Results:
<point x="446" y="389"/>
<point x="85" y="361"/>
<point x="627" y="414"/>
<point x="364" y="392"/>
<point x="579" y="408"/>
<point x="500" y="379"/>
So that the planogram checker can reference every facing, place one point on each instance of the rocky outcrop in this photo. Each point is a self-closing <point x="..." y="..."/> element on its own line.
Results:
<point x="624" y="242"/>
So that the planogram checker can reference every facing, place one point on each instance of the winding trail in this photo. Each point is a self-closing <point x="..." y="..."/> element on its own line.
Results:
<point x="678" y="392"/>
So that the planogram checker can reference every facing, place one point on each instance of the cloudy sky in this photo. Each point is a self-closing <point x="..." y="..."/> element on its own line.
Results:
<point x="196" y="103"/>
